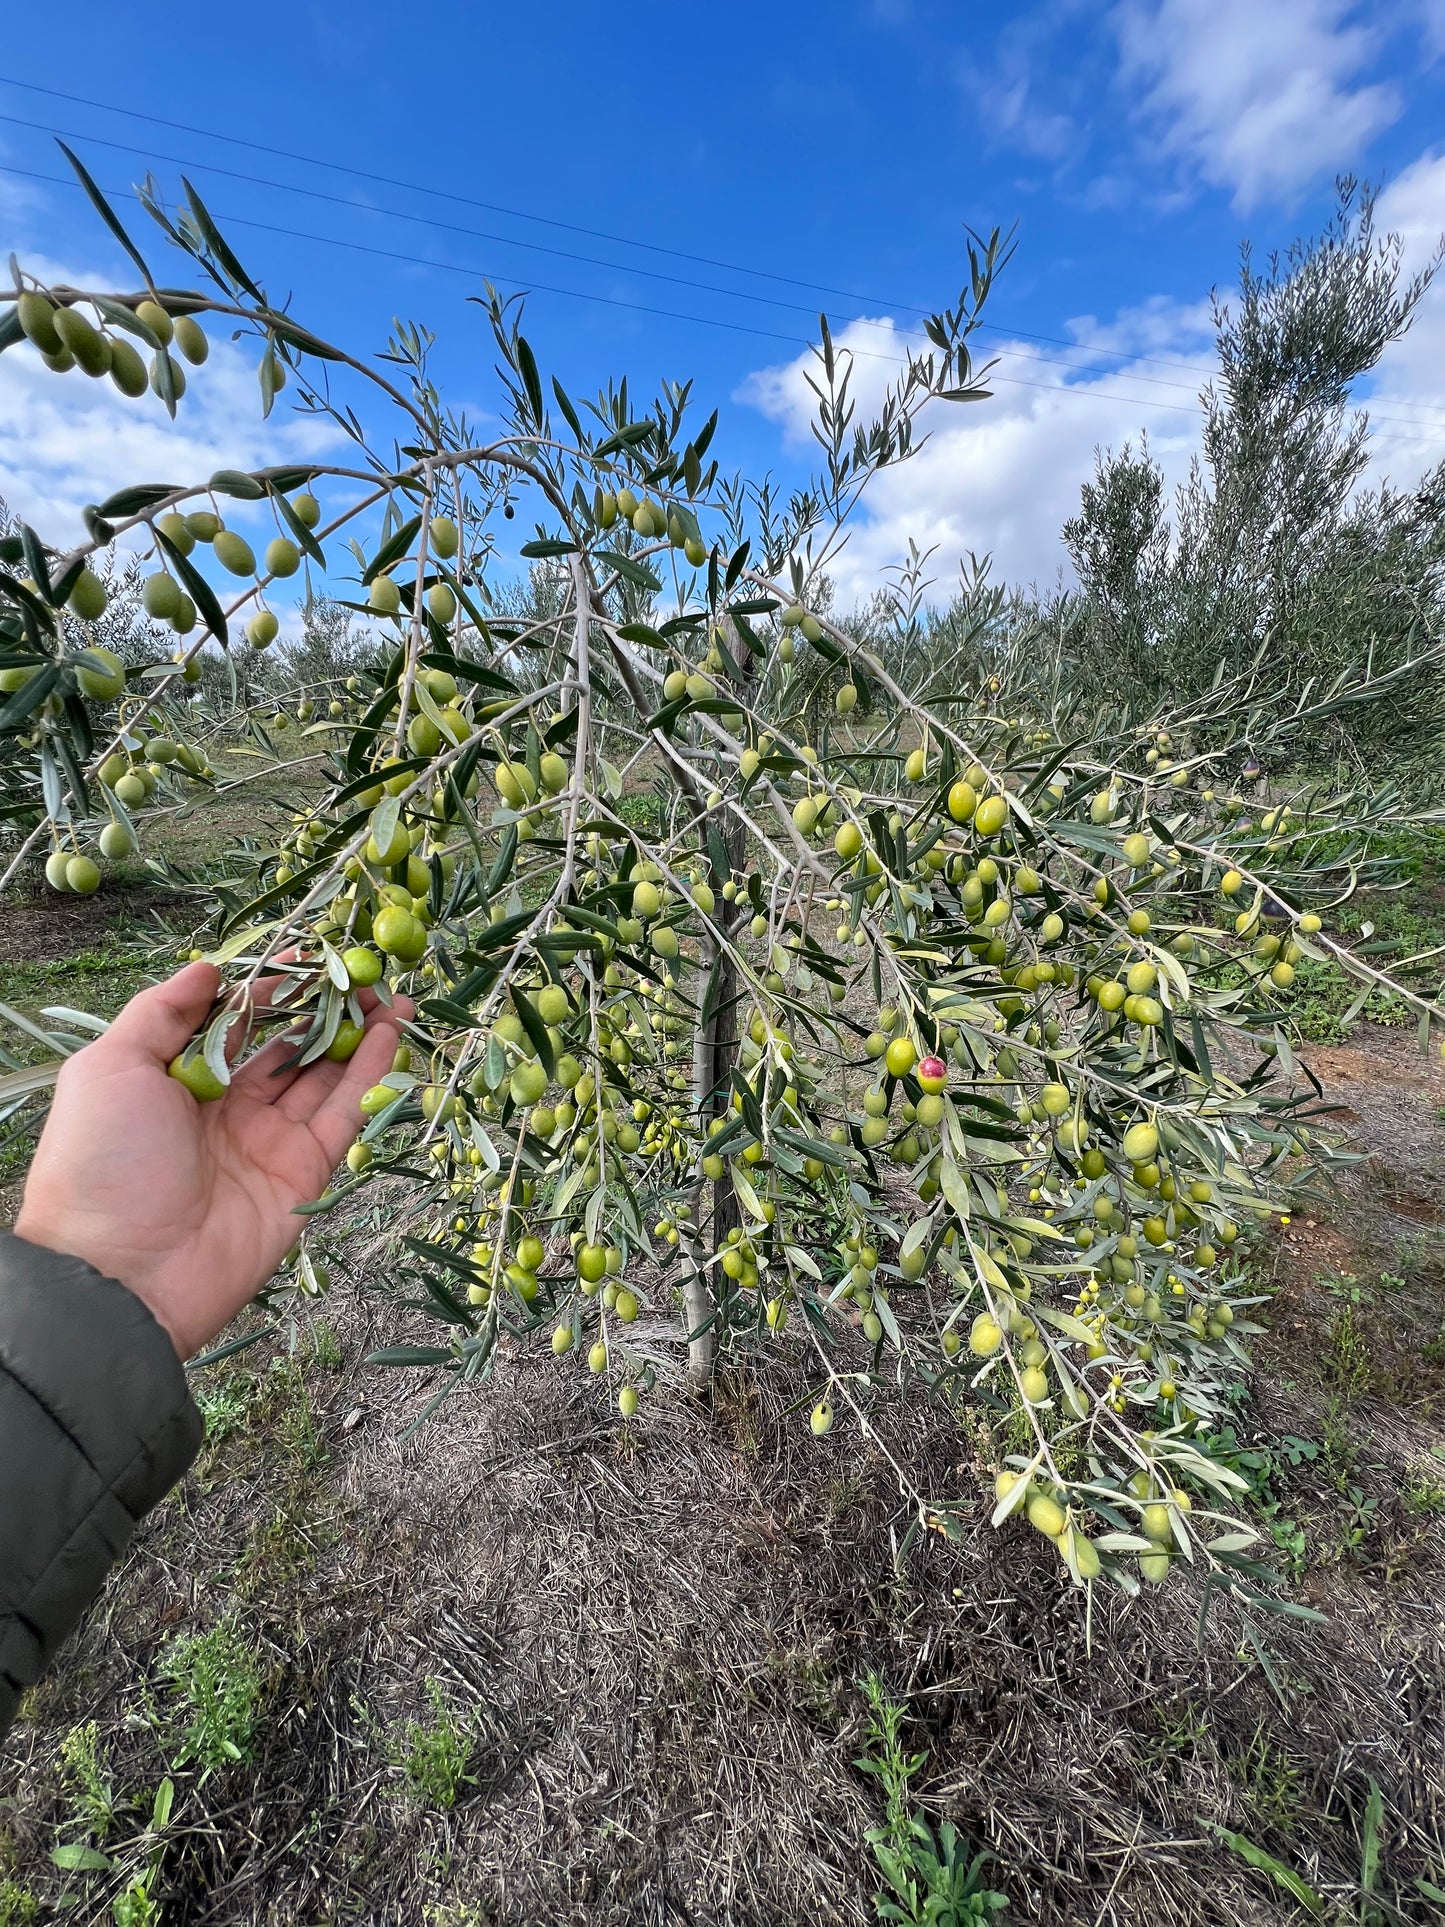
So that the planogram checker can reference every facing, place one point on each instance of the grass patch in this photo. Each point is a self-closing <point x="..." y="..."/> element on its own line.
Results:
<point x="436" y="1757"/>
<point x="1268" y="1780"/>
<point x="1349" y="1359"/>
<point x="91" y="1791"/>
<point x="1265" y="1466"/>
<point x="98" y="979"/>
<point x="218" y="1692"/>
<point x="269" y="1411"/>
<point x="932" y="1880"/>
<point x="18" y="1906"/>
<point x="1384" y="928"/>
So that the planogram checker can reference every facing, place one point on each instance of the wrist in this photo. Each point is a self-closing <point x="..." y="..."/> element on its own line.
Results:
<point x="37" y="1227"/>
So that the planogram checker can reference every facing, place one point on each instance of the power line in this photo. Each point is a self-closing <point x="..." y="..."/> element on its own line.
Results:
<point x="464" y="200"/>
<point x="565" y="254"/>
<point x="521" y="214"/>
<point x="705" y="321"/>
<point x="1022" y="334"/>
<point x="615" y="301"/>
<point x="505" y="240"/>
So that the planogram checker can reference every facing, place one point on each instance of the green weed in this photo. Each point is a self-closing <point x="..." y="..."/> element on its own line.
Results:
<point x="1261" y="1467"/>
<point x="1357" y="1526"/>
<point x="1349" y="1358"/>
<point x="326" y="1346"/>
<point x="219" y="1690"/>
<point x="437" y="1756"/>
<point x="223" y="1404"/>
<point x="92" y="1792"/>
<point x="138" y="1864"/>
<point x="1424" y="1493"/>
<point x="1364" y="1906"/>
<point x="1341" y="1453"/>
<point x="273" y="1406"/>
<point x="295" y="1423"/>
<point x="1269" y="1781"/>
<point x="18" y="1906"/>
<point x="933" y="1880"/>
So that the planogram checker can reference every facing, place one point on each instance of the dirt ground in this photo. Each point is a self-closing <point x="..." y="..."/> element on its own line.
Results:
<point x="652" y="1637"/>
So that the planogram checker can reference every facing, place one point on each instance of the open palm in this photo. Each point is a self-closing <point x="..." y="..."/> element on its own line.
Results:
<point x="190" y="1205"/>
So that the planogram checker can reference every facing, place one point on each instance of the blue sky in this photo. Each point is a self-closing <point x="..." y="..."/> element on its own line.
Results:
<point x="837" y="151"/>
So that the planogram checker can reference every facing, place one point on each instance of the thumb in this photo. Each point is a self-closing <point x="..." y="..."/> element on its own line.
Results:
<point x="161" y="1021"/>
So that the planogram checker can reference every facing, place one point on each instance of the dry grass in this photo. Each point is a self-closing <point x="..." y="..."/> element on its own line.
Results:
<point x="652" y="1638"/>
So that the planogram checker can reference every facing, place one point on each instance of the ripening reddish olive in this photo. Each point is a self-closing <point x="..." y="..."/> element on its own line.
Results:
<point x="932" y="1073"/>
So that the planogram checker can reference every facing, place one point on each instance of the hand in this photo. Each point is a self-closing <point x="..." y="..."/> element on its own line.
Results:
<point x="191" y="1205"/>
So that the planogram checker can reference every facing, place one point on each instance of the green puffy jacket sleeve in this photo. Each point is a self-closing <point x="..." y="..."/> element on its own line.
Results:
<point x="96" y="1425"/>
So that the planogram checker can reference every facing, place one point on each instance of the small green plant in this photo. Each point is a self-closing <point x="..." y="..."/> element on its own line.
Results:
<point x="1341" y="1453"/>
<point x="219" y="1690"/>
<point x="1349" y="1363"/>
<point x="1367" y="1909"/>
<point x="1289" y="1538"/>
<point x="437" y="1756"/>
<point x="1359" y="1522"/>
<point x="1424" y="1493"/>
<point x="18" y="1906"/>
<point x="223" y="1404"/>
<point x="326" y="1346"/>
<point x="1176" y="1732"/>
<point x="295" y="1423"/>
<point x="273" y="1403"/>
<point x="1269" y="1780"/>
<point x="1260" y="1466"/>
<point x="935" y="1880"/>
<point x="138" y="1865"/>
<point x="94" y="1797"/>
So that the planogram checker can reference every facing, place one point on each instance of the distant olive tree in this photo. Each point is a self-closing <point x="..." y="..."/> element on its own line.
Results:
<point x="1280" y="570"/>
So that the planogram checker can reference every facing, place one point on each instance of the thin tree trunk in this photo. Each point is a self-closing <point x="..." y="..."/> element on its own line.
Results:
<point x="714" y="1053"/>
<point x="699" y="1306"/>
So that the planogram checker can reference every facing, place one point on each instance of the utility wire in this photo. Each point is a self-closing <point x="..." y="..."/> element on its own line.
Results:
<point x="569" y="227"/>
<point x="705" y="321"/>
<point x="261" y="147"/>
<point x="537" y="247"/>
<point x="608" y="300"/>
<point x="464" y="200"/>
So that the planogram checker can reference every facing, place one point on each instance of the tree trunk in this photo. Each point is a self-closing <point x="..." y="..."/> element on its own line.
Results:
<point x="714" y="1053"/>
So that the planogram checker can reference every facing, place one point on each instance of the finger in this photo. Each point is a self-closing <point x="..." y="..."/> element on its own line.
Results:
<point x="334" y="1112"/>
<point x="303" y="1094"/>
<point x="261" y="995"/>
<point x="159" y="1022"/>
<point x="273" y="1070"/>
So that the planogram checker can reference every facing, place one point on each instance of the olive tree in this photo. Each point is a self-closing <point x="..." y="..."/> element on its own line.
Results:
<point x="1280" y="573"/>
<point x="995" y="1000"/>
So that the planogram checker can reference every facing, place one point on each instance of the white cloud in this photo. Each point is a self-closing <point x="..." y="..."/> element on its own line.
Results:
<point x="66" y="440"/>
<point x="1407" y="399"/>
<point x="1413" y="206"/>
<point x="1001" y="477"/>
<point x="1007" y="80"/>
<point x="1258" y="97"/>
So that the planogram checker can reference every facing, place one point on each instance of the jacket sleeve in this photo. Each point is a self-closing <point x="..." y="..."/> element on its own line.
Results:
<point x="96" y="1425"/>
